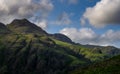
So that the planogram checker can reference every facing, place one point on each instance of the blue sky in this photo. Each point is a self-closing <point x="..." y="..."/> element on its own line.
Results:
<point x="76" y="9"/>
<point x="95" y="22"/>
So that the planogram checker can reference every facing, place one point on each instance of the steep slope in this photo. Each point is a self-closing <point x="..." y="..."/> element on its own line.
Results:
<point x="31" y="54"/>
<point x="3" y="29"/>
<point x="110" y="66"/>
<point x="29" y="50"/>
<point x="61" y="37"/>
<point x="23" y="26"/>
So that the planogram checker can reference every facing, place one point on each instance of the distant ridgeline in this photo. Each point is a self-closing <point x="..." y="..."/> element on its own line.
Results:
<point x="28" y="49"/>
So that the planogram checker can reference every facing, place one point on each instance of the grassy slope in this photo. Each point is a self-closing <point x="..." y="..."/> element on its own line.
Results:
<point x="93" y="56"/>
<point x="23" y="48"/>
<point x="111" y="66"/>
<point x="24" y="51"/>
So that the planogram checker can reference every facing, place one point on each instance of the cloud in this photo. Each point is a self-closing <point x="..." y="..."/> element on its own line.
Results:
<point x="82" y="21"/>
<point x="88" y="36"/>
<point x="42" y="24"/>
<point x="63" y="19"/>
<point x="45" y="6"/>
<point x="104" y="13"/>
<point x="18" y="9"/>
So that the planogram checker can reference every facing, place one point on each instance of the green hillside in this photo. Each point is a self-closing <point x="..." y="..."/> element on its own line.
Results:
<point x="94" y="54"/>
<point x="29" y="53"/>
<point x="110" y="66"/>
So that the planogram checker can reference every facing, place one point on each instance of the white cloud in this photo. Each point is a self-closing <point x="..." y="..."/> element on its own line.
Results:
<point x="42" y="24"/>
<point x="45" y="6"/>
<point x="18" y="9"/>
<point x="88" y="36"/>
<point x="63" y="19"/>
<point x="104" y="13"/>
<point x="82" y="21"/>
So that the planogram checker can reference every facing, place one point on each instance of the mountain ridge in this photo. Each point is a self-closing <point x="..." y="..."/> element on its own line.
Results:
<point x="61" y="37"/>
<point x="24" y="26"/>
<point x="29" y="49"/>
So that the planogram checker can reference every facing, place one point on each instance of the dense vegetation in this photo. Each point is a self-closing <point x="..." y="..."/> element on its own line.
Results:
<point x="26" y="48"/>
<point x="110" y="66"/>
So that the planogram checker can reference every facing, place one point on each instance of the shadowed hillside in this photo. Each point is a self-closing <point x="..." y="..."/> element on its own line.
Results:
<point x="3" y="29"/>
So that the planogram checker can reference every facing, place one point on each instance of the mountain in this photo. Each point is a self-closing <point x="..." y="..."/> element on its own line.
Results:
<point x="28" y="49"/>
<point x="100" y="52"/>
<point x="110" y="66"/>
<point x="3" y="29"/>
<point x="61" y="37"/>
<point x="24" y="26"/>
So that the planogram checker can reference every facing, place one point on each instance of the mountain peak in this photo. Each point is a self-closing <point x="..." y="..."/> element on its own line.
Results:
<point x="21" y="22"/>
<point x="61" y="37"/>
<point x="24" y="26"/>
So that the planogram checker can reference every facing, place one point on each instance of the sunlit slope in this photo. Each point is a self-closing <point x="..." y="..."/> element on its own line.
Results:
<point x="94" y="54"/>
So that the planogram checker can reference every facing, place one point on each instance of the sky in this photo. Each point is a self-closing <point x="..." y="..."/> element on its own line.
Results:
<point x="95" y="22"/>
